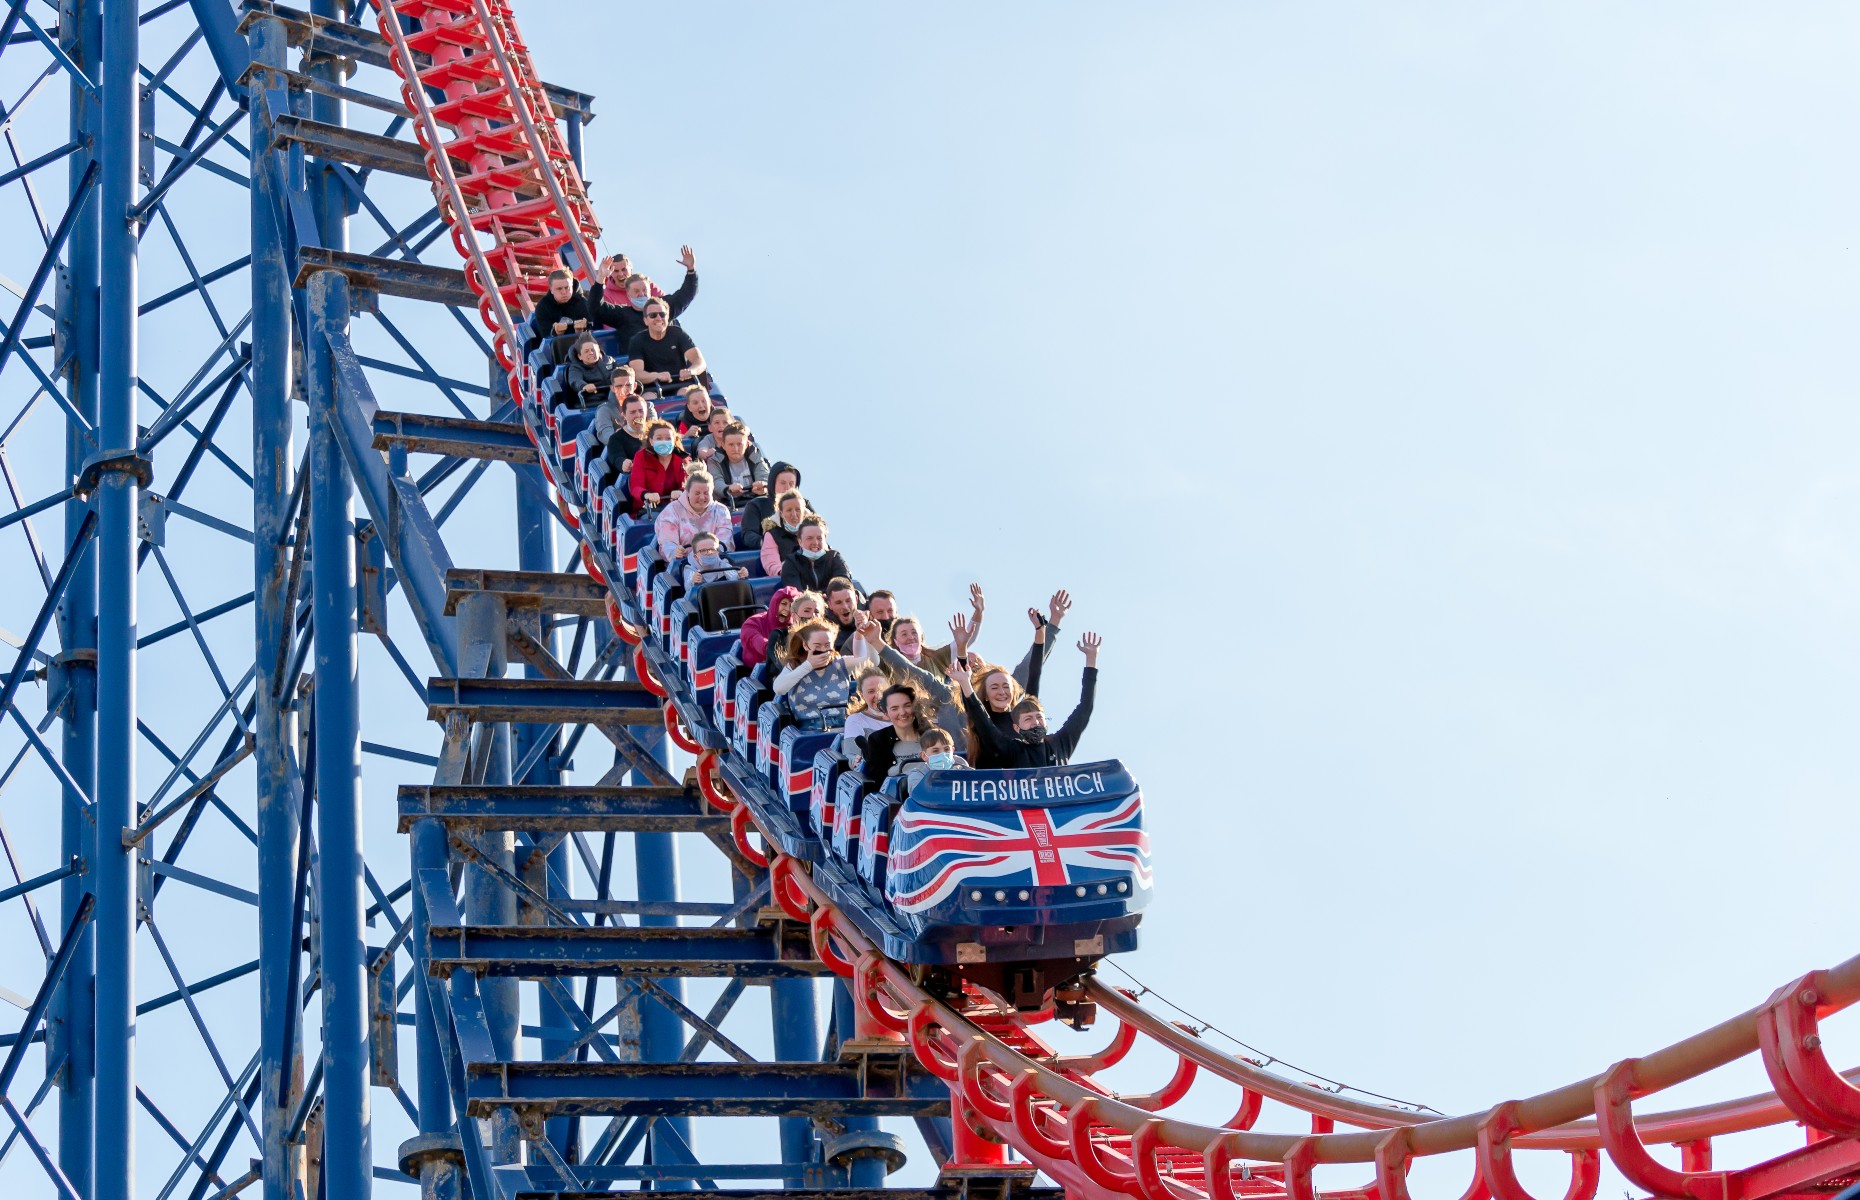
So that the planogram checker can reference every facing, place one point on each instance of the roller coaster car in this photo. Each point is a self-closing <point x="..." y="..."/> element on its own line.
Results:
<point x="1018" y="880"/>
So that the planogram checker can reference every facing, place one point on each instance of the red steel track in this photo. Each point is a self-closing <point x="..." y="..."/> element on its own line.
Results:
<point x="508" y="189"/>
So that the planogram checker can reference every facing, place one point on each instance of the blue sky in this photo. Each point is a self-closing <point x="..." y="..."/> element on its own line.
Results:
<point x="1445" y="414"/>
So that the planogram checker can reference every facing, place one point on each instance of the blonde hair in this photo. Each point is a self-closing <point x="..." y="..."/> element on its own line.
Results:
<point x="774" y="519"/>
<point x="857" y="704"/>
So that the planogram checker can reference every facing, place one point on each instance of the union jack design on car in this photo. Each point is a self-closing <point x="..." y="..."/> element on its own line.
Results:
<point x="1055" y="846"/>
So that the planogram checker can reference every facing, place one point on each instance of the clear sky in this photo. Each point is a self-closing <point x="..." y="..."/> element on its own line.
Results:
<point x="1445" y="414"/>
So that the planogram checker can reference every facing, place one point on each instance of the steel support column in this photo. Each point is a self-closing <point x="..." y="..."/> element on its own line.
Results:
<point x="662" y="1033"/>
<point x="797" y="1039"/>
<point x="278" y="802"/>
<point x="116" y="498"/>
<point x="347" y="1164"/>
<point x="81" y="34"/>
<point x="864" y="1170"/>
<point x="488" y="900"/>
<point x="536" y="551"/>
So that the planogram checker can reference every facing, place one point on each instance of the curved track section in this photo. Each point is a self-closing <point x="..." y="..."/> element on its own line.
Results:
<point x="509" y="191"/>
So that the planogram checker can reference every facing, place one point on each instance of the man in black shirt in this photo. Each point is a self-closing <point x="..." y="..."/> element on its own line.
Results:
<point x="663" y="353"/>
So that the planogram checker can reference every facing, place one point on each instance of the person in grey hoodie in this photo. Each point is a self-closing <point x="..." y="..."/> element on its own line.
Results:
<point x="742" y="473"/>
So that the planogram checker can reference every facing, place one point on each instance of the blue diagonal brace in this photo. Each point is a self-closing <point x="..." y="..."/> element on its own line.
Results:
<point x="47" y="989"/>
<point x="230" y="53"/>
<point x="394" y="503"/>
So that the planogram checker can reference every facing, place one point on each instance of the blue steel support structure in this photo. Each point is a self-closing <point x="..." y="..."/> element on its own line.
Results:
<point x="180" y="803"/>
<point x="276" y="791"/>
<point x="116" y="497"/>
<point x="81" y="34"/>
<point x="341" y="904"/>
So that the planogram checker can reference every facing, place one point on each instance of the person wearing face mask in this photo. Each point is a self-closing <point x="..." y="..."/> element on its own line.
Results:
<point x="782" y="477"/>
<point x="626" y="439"/>
<point x="808" y="607"/>
<point x="819" y="684"/>
<point x="612" y="415"/>
<point x="913" y="667"/>
<point x="882" y="606"/>
<point x="692" y="512"/>
<point x="662" y="353"/>
<point x="626" y="292"/>
<point x="770" y="624"/>
<point x="708" y="563"/>
<point x="939" y="754"/>
<point x="1030" y="743"/>
<point x="781" y="530"/>
<point x="814" y="564"/>
<point x="658" y="470"/>
<point x="887" y="749"/>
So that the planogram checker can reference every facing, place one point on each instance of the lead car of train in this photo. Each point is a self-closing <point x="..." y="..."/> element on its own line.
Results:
<point x="1016" y="881"/>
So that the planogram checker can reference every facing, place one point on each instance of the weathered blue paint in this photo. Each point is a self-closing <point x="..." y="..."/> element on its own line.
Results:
<point x="337" y="713"/>
<point x="277" y="780"/>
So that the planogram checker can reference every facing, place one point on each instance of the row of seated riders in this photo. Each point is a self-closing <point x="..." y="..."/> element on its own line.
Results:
<point x="642" y="443"/>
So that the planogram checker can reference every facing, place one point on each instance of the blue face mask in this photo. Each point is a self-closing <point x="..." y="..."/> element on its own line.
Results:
<point x="942" y="760"/>
<point x="641" y="301"/>
<point x="812" y="554"/>
<point x="791" y="527"/>
<point x="659" y="447"/>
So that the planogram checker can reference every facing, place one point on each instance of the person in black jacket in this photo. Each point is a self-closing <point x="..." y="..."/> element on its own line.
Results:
<point x="783" y="477"/>
<point x="888" y="750"/>
<point x="693" y="420"/>
<point x="566" y="308"/>
<point x="814" y="564"/>
<point x="1031" y="744"/>
<point x="626" y="293"/>
<point x="590" y="374"/>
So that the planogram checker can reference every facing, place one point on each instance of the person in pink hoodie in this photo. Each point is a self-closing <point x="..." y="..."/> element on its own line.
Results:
<point x="759" y="629"/>
<point x="692" y="513"/>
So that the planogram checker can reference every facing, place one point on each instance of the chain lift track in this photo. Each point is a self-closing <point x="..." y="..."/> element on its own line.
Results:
<point x="1008" y="1088"/>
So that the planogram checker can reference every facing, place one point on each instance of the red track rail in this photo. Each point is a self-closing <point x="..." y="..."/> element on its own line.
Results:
<point x="501" y="175"/>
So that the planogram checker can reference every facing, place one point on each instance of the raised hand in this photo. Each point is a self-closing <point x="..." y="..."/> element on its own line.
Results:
<point x="872" y="632"/>
<point x="977" y="602"/>
<point x="1058" y="606"/>
<point x="686" y="259"/>
<point x="1088" y="646"/>
<point x="1039" y="625"/>
<point x="959" y="631"/>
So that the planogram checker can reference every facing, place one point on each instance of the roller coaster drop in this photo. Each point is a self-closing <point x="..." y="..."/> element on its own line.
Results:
<point x="931" y="1019"/>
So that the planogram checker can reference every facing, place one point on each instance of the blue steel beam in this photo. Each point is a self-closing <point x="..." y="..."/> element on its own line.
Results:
<point x="338" y="762"/>
<point x="230" y="53"/>
<point x="116" y="653"/>
<point x="569" y="701"/>
<point x="827" y="1091"/>
<point x="538" y="950"/>
<point x="561" y="808"/>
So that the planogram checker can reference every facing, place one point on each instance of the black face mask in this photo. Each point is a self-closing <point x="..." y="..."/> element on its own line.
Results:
<point x="1032" y="735"/>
